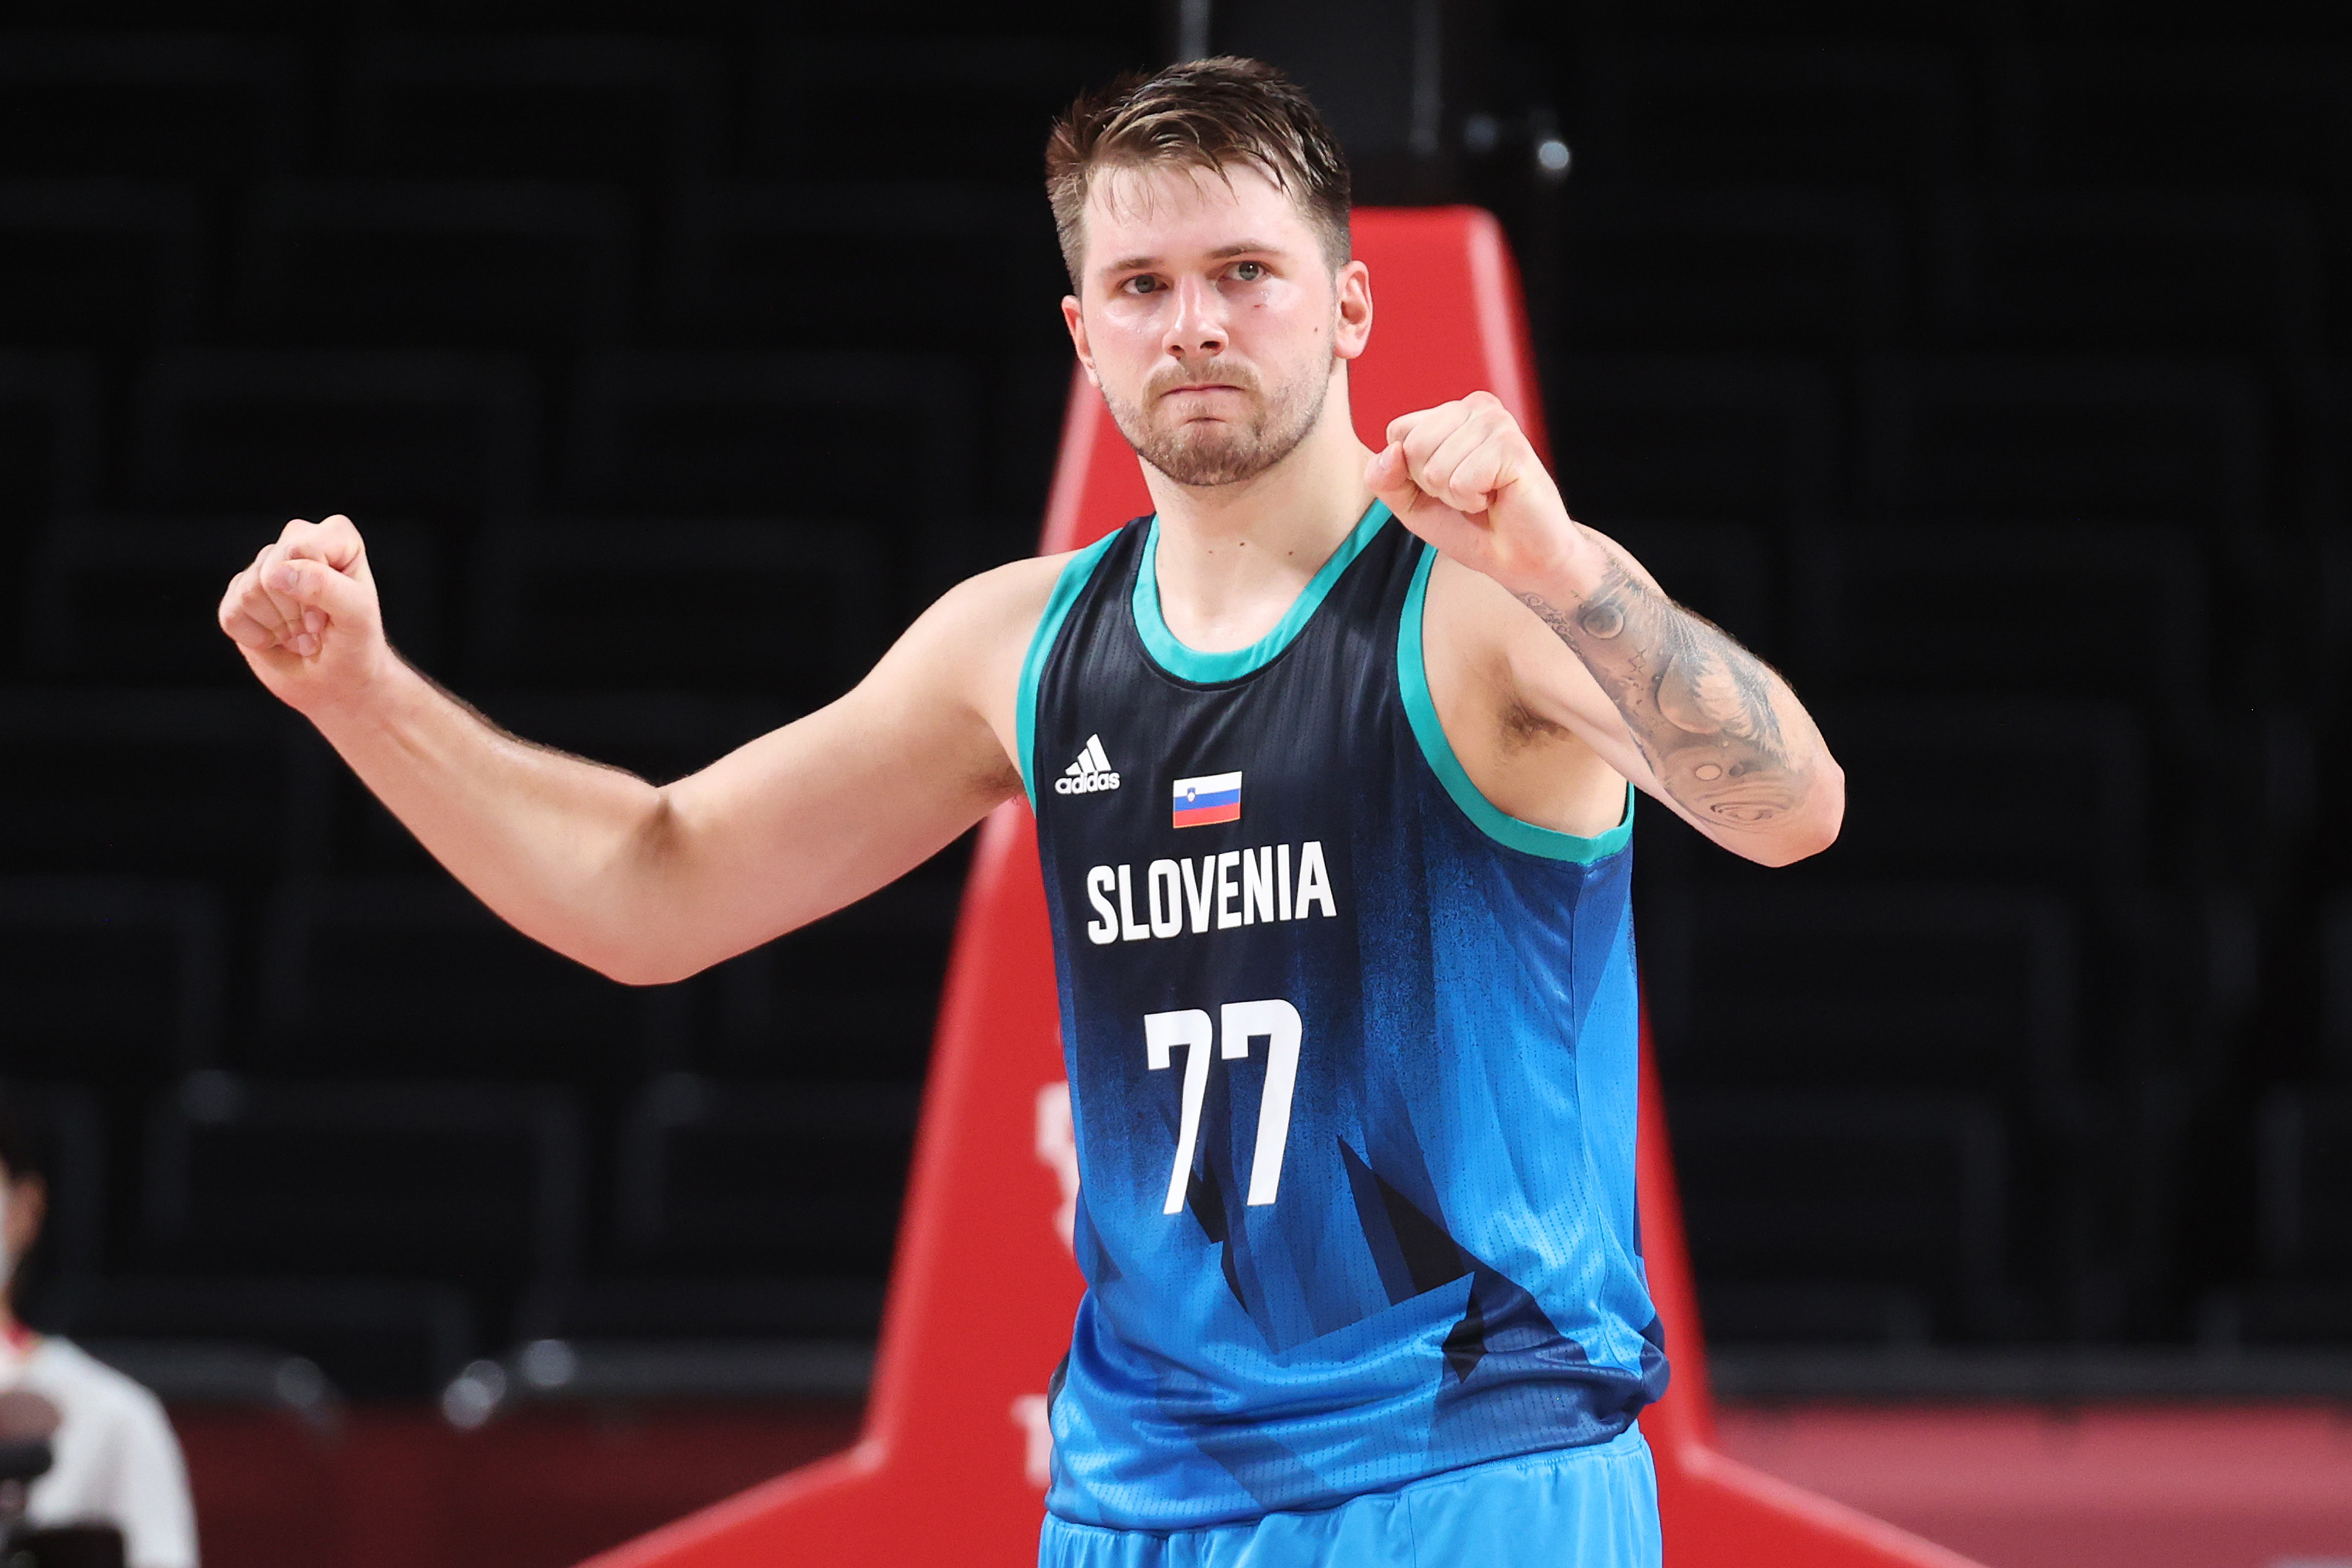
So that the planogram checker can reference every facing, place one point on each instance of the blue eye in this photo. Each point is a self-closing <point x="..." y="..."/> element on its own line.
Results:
<point x="1249" y="271"/>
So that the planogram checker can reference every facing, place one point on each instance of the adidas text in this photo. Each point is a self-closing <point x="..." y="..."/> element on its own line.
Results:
<point x="1090" y="773"/>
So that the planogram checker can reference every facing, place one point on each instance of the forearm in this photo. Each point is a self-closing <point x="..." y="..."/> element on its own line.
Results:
<point x="566" y="850"/>
<point x="1725" y="737"/>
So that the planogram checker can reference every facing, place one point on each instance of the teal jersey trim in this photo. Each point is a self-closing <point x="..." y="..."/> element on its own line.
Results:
<point x="1066" y="587"/>
<point x="1413" y="682"/>
<point x="1208" y="669"/>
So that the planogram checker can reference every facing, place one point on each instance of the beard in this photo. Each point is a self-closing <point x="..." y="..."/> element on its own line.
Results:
<point x="1205" y="453"/>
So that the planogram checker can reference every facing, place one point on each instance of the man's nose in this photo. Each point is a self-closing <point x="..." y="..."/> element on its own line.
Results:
<point x="1198" y="325"/>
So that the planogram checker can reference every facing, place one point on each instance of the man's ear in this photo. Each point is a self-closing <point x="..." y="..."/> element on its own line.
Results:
<point x="1073" y="316"/>
<point x="1352" y="284"/>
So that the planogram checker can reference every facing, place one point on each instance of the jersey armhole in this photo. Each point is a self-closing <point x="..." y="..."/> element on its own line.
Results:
<point x="1421" y="713"/>
<point x="1076" y="572"/>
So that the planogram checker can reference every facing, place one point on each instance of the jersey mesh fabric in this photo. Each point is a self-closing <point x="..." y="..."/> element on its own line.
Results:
<point x="1443" y="1269"/>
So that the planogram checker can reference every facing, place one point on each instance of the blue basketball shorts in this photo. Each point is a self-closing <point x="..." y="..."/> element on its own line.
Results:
<point x="1573" y="1508"/>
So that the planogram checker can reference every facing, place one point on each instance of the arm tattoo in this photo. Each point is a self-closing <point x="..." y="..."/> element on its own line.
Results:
<point x="1698" y="705"/>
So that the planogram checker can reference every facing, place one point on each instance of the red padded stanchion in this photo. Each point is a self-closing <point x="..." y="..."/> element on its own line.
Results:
<point x="949" y="1467"/>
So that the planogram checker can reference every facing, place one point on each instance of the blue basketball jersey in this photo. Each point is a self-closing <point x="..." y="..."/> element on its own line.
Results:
<point x="1353" y="1056"/>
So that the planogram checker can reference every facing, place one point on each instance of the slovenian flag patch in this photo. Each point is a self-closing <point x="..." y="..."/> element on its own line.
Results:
<point x="1215" y="798"/>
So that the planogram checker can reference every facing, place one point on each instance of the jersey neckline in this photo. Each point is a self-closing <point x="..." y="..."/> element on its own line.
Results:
<point x="1190" y="664"/>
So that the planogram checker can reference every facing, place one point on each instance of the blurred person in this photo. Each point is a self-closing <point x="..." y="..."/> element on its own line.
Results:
<point x="1332" y="758"/>
<point x="115" y="1460"/>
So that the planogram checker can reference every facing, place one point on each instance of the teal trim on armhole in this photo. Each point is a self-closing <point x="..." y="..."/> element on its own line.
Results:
<point x="1207" y="669"/>
<point x="1413" y="685"/>
<point x="1066" y="588"/>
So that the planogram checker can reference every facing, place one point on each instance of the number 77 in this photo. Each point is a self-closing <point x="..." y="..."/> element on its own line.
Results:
<point x="1238" y="1024"/>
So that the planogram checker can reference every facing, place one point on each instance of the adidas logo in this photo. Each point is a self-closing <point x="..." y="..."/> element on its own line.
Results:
<point x="1090" y="773"/>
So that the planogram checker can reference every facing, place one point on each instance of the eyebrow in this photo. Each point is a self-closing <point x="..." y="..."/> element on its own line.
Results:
<point x="1222" y="252"/>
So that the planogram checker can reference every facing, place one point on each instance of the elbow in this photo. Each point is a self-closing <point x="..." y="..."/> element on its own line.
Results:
<point x="1811" y="829"/>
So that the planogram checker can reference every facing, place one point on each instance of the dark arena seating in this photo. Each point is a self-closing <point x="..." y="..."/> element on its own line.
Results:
<point x="1983" y="365"/>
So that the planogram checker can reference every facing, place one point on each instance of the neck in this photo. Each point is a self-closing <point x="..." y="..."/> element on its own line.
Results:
<point x="1232" y="556"/>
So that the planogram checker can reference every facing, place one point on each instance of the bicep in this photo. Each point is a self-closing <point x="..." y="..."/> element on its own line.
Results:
<point x="1733" y="714"/>
<point x="1552" y="683"/>
<point x="831" y="807"/>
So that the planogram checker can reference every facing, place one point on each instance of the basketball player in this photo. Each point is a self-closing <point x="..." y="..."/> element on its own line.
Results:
<point x="1333" y="760"/>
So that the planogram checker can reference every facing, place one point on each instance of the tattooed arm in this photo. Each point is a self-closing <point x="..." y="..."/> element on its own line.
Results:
<point x="1616" y="670"/>
<point x="1698" y="705"/>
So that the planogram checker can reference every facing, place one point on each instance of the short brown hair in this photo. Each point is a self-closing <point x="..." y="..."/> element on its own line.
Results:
<point x="1206" y="114"/>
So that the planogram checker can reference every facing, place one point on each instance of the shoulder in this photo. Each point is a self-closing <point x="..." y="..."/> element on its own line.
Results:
<point x="967" y="650"/>
<point x="988" y="619"/>
<point x="65" y="1370"/>
<point x="1012" y="597"/>
<point x="998" y="605"/>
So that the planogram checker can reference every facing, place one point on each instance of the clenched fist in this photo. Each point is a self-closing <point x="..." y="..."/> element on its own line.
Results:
<point x="1464" y="477"/>
<point x="304" y="615"/>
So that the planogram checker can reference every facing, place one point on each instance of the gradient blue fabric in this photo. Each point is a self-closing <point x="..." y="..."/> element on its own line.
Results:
<point x="1354" y="1075"/>
<point x="1595" y="1507"/>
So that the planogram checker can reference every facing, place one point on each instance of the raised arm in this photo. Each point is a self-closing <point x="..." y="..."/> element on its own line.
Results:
<point x="647" y="883"/>
<point x="1664" y="697"/>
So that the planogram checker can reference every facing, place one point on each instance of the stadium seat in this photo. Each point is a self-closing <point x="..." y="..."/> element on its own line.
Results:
<point x="112" y="262"/>
<point x="452" y="1181"/>
<point x="109" y="980"/>
<point x="365" y="1225"/>
<point x="2216" y="274"/>
<point x="1894" y="986"/>
<point x="1848" y="19"/>
<point x="782" y="1179"/>
<point x="746" y="1212"/>
<point x="369" y="978"/>
<point x="841" y="265"/>
<point x="2302" y="1147"/>
<point x="632" y="110"/>
<point x="423" y="435"/>
<point x="148" y="106"/>
<point x="68" y="1125"/>
<point x="426" y="264"/>
<point x="741" y="434"/>
<point x="2071" y="812"/>
<point x="371" y="1339"/>
<point x="1670" y="438"/>
<point x="1715" y="115"/>
<point x="1765" y="273"/>
<point x="2278" y="1313"/>
<point x="2304" y="1183"/>
<point x="49" y="435"/>
<point x="658" y="735"/>
<point x="80" y="773"/>
<point x="846" y="984"/>
<point x="792" y="612"/>
<point x="133" y="600"/>
<point x="818" y="115"/>
<point x="1840" y="1216"/>
<point x="2062" y="440"/>
<point x="2071" y="815"/>
<point x="2336" y="979"/>
<point x="1977" y="610"/>
<point x="670" y="1308"/>
<point x="2211" y="116"/>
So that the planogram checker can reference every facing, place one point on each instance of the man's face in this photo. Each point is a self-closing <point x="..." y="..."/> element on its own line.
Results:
<point x="1209" y="317"/>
